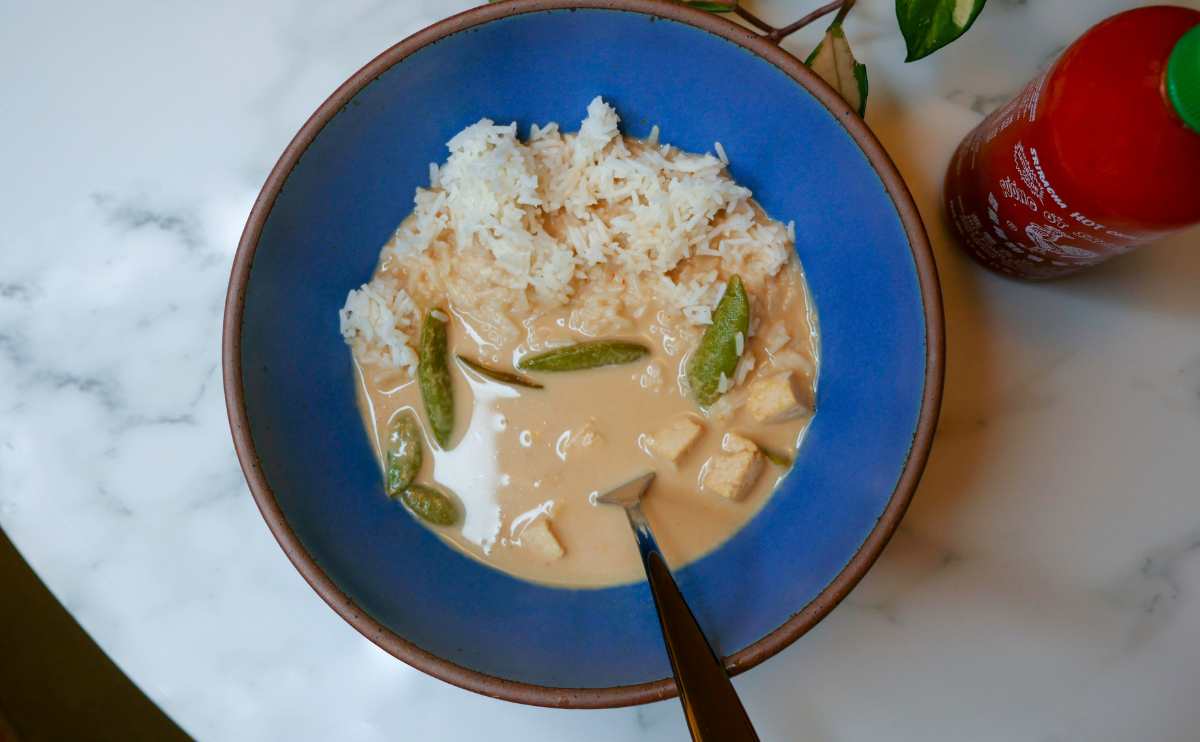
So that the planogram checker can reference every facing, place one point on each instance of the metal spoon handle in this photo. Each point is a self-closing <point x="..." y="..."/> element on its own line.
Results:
<point x="710" y="704"/>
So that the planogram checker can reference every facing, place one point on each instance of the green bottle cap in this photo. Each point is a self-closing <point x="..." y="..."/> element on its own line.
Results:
<point x="1183" y="78"/>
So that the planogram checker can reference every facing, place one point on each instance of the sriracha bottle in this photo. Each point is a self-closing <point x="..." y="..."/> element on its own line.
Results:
<point x="1099" y="154"/>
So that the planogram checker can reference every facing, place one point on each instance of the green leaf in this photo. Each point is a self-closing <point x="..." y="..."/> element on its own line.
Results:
<point x="860" y="77"/>
<point x="928" y="25"/>
<point x="712" y="6"/>
<point x="834" y="63"/>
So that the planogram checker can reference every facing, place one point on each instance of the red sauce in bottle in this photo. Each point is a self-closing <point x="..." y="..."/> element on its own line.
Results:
<point x="1097" y="155"/>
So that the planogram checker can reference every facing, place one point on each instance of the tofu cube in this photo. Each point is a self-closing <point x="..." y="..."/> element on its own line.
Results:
<point x="778" y="397"/>
<point x="674" y="439"/>
<point x="538" y="538"/>
<point x="734" y="443"/>
<point x="732" y="475"/>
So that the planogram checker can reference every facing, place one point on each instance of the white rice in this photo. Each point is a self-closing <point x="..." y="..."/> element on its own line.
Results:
<point x="376" y="320"/>
<point x="724" y="384"/>
<point x="605" y="224"/>
<point x="744" y="366"/>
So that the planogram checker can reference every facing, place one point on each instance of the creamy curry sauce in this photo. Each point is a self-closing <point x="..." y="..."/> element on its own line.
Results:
<point x="520" y="453"/>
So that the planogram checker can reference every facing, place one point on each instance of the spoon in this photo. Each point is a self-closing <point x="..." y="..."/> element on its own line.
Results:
<point x="710" y="704"/>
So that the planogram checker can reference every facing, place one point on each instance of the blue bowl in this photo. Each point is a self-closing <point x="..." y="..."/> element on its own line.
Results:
<point x="347" y="180"/>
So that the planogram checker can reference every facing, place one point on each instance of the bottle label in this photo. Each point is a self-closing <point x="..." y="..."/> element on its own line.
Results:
<point x="1003" y="200"/>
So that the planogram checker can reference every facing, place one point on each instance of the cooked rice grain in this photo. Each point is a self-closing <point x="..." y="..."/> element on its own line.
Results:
<point x="507" y="228"/>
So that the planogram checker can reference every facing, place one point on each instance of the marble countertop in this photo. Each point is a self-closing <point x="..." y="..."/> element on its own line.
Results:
<point x="1045" y="586"/>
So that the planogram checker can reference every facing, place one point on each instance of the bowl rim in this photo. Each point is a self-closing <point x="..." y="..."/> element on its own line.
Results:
<point x="613" y="696"/>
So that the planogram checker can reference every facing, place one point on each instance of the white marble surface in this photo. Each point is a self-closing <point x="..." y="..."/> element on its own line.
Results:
<point x="1044" y="588"/>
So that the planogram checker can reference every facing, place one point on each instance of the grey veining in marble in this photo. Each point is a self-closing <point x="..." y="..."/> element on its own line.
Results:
<point x="1045" y="586"/>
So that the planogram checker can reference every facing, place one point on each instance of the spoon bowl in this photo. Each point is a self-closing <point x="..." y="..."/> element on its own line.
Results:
<point x="627" y="494"/>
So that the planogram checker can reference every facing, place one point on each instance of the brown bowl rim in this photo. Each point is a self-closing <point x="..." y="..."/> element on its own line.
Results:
<point x="614" y="696"/>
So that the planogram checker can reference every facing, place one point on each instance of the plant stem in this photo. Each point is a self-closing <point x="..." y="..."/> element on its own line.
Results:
<point x="844" y="5"/>
<point x="841" y="16"/>
<point x="754" y="20"/>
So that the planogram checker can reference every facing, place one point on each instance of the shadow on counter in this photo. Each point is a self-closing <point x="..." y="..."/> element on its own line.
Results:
<point x="55" y="682"/>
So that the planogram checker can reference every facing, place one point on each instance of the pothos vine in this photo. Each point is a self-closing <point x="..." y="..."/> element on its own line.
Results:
<point x="927" y="25"/>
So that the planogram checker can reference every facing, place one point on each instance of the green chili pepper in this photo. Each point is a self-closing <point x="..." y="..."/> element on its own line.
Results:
<point x="404" y="453"/>
<point x="433" y="374"/>
<point x="717" y="353"/>
<point x="584" y="355"/>
<point x="505" y="377"/>
<point x="431" y="505"/>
